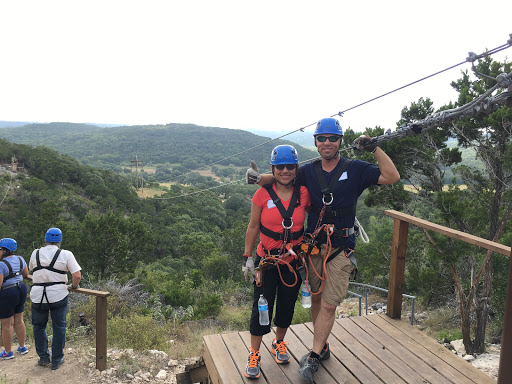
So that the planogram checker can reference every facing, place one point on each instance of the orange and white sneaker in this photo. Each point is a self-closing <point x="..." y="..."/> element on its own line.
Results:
<point x="252" y="369"/>
<point x="279" y="349"/>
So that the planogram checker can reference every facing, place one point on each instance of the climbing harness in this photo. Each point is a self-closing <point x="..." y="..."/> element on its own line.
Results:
<point x="11" y="274"/>
<point x="276" y="256"/>
<point x="51" y="268"/>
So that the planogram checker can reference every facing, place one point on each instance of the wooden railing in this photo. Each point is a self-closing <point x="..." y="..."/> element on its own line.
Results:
<point x="101" y="323"/>
<point x="397" y="269"/>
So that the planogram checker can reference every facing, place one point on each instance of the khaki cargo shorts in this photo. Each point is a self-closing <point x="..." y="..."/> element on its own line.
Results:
<point x="338" y="271"/>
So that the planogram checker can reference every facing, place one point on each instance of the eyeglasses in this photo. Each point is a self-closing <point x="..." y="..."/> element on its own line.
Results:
<point x="332" y="139"/>
<point x="289" y="167"/>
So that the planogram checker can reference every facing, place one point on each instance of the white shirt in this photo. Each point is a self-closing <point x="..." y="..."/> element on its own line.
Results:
<point x="65" y="262"/>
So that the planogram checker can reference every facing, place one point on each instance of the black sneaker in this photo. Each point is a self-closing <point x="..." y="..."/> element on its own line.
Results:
<point x="308" y="368"/>
<point x="43" y="362"/>
<point x="57" y="364"/>
<point x="252" y="369"/>
<point x="325" y="354"/>
<point x="279" y="349"/>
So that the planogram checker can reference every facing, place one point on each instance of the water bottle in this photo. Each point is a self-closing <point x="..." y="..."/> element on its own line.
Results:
<point x="263" y="310"/>
<point x="306" y="296"/>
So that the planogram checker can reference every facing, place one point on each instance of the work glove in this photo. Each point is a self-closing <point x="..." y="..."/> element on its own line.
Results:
<point x="253" y="174"/>
<point x="362" y="144"/>
<point x="248" y="266"/>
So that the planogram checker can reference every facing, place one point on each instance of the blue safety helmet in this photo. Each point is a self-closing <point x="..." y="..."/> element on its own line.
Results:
<point x="284" y="154"/>
<point x="53" y="235"/>
<point x="9" y="244"/>
<point x="328" y="126"/>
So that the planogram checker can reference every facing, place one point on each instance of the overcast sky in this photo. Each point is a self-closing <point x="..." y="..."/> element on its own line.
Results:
<point x="267" y="65"/>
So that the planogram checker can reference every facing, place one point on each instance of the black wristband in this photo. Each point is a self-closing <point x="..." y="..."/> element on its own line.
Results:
<point x="74" y="287"/>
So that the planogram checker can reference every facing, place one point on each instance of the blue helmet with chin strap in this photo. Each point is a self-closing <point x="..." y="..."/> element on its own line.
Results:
<point x="329" y="126"/>
<point x="53" y="235"/>
<point x="9" y="244"/>
<point x="284" y="154"/>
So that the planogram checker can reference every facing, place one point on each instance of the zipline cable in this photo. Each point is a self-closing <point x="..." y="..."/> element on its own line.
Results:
<point x="483" y="103"/>
<point x="471" y="58"/>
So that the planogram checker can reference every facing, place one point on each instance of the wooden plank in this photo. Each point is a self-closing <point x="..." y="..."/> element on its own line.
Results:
<point x="453" y="233"/>
<point x="363" y="353"/>
<point x="380" y="351"/>
<point x="505" y="368"/>
<point x="356" y="368"/>
<point x="221" y="368"/>
<point x="291" y="370"/>
<point x="238" y="351"/>
<point x="270" y="372"/>
<point x="448" y="358"/>
<point x="101" y="333"/>
<point x="401" y="353"/>
<point x="397" y="269"/>
<point x="299" y="338"/>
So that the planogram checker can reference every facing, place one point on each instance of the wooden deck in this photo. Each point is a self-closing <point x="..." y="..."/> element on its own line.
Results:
<point x="366" y="349"/>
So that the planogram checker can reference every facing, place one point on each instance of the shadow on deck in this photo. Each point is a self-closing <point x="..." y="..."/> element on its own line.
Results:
<point x="367" y="349"/>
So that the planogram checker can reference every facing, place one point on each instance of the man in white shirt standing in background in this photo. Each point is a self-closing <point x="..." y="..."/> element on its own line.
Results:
<point x="49" y="295"/>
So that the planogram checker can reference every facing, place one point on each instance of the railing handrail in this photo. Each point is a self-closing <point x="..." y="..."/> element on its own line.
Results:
<point x="466" y="237"/>
<point x="397" y="269"/>
<point x="413" y="298"/>
<point x="101" y="323"/>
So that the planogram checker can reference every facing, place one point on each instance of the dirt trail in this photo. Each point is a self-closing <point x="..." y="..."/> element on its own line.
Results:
<point x="23" y="369"/>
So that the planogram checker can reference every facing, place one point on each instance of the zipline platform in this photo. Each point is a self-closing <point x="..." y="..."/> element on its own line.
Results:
<point x="365" y="349"/>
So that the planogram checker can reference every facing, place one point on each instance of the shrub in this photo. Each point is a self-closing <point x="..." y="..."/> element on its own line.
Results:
<point x="138" y="332"/>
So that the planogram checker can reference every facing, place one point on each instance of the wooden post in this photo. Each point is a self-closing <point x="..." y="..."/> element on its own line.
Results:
<point x="505" y="369"/>
<point x="101" y="333"/>
<point x="397" y="268"/>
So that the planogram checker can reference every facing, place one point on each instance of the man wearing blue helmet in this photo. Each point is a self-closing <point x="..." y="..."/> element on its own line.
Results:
<point x="335" y="184"/>
<point x="49" y="295"/>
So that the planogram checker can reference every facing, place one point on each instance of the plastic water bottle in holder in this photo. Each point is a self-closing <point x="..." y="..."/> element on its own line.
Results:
<point x="263" y="310"/>
<point x="306" y="296"/>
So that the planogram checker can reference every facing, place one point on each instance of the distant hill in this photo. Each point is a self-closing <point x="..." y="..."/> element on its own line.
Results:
<point x="12" y="124"/>
<point x="304" y="139"/>
<point x="190" y="145"/>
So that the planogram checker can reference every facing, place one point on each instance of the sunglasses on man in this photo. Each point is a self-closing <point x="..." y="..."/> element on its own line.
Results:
<point x="289" y="167"/>
<point x="332" y="139"/>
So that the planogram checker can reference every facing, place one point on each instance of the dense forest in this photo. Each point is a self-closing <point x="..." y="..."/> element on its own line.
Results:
<point x="184" y="248"/>
<point x="186" y="145"/>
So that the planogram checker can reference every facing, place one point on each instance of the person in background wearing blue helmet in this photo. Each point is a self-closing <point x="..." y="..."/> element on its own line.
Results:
<point x="49" y="295"/>
<point x="277" y="215"/>
<point x="335" y="184"/>
<point x="13" y="294"/>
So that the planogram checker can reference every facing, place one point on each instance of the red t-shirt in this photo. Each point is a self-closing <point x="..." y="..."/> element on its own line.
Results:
<point x="271" y="217"/>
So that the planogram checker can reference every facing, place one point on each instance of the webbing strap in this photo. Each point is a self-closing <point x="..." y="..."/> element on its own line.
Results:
<point x="9" y="267"/>
<point x="327" y="189"/>
<point x="285" y="213"/>
<point x="279" y="236"/>
<point x="51" y="267"/>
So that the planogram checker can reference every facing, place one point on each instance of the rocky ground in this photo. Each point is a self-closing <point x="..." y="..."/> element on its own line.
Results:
<point x="126" y="366"/>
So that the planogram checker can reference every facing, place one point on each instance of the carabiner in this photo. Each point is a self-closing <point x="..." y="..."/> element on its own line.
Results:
<point x="330" y="202"/>
<point x="291" y="225"/>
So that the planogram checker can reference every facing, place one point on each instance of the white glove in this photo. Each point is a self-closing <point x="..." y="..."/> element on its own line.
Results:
<point x="253" y="174"/>
<point x="247" y="267"/>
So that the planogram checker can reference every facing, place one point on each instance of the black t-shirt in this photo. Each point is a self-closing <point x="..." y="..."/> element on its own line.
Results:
<point x="359" y="176"/>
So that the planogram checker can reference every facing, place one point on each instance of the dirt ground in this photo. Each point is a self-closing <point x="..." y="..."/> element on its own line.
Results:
<point x="23" y="369"/>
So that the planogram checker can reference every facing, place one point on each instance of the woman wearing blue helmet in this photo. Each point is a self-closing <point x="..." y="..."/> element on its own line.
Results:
<point x="13" y="294"/>
<point x="277" y="215"/>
